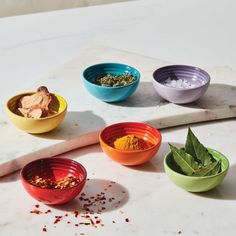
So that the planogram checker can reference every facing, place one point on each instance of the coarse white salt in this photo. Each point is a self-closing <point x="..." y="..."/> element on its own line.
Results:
<point x="178" y="83"/>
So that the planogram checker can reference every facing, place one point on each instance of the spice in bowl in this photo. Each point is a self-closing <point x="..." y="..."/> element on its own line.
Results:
<point x="129" y="142"/>
<point x="36" y="105"/>
<point x="178" y="83"/>
<point x="67" y="182"/>
<point x="110" y="80"/>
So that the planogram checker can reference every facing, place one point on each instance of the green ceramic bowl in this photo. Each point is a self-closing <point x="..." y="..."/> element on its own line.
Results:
<point x="192" y="183"/>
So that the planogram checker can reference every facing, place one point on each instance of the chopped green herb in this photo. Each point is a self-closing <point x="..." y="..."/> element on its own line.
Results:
<point x="194" y="159"/>
<point x="110" y="80"/>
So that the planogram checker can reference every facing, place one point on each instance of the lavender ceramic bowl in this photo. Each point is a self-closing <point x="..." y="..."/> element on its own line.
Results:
<point x="180" y="83"/>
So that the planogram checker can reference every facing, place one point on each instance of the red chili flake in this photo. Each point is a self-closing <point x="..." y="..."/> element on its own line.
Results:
<point x="48" y="211"/>
<point x="127" y="220"/>
<point x="58" y="219"/>
<point x="102" y="225"/>
<point x="103" y="208"/>
<point x="96" y="217"/>
<point x="92" y="222"/>
<point x="87" y="223"/>
<point x="37" y="206"/>
<point x="179" y="232"/>
<point x="88" y="179"/>
<point x="67" y="182"/>
<point x="123" y="192"/>
<point x="44" y="229"/>
<point x="35" y="211"/>
<point x="82" y="194"/>
<point x="98" y="221"/>
<point x="66" y="214"/>
<point x="113" y="222"/>
<point x="109" y="185"/>
<point x="68" y="222"/>
<point x="76" y="213"/>
<point x="76" y="225"/>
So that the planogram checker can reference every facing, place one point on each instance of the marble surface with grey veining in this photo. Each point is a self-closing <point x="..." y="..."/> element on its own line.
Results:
<point x="87" y="115"/>
<point x="193" y="32"/>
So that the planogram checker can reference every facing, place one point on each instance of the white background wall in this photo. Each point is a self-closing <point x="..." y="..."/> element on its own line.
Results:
<point x="18" y="7"/>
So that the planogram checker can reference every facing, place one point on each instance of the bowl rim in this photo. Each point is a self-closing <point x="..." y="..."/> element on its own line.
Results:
<point x="208" y="77"/>
<point x="48" y="158"/>
<point x="30" y="93"/>
<point x="199" y="177"/>
<point x="132" y="151"/>
<point x="112" y="63"/>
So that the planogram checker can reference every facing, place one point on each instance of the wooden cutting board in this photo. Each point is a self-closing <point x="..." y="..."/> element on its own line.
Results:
<point x="87" y="115"/>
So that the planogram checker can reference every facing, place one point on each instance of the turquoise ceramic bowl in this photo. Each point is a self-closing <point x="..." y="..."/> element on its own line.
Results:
<point x="196" y="184"/>
<point x="110" y="94"/>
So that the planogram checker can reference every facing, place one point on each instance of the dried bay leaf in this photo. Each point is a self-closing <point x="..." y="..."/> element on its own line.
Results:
<point x="197" y="150"/>
<point x="184" y="160"/>
<point x="211" y="169"/>
<point x="194" y="159"/>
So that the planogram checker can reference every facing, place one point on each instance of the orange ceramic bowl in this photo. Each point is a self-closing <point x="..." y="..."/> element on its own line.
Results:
<point x="150" y="135"/>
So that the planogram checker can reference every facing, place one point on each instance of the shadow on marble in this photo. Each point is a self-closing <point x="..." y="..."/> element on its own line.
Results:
<point x="225" y="191"/>
<point x="15" y="176"/>
<point x="144" y="96"/>
<point x="75" y="124"/>
<point x="156" y="164"/>
<point x="110" y="196"/>
<point x="217" y="96"/>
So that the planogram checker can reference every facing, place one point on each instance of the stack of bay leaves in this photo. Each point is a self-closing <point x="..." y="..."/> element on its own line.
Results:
<point x="194" y="159"/>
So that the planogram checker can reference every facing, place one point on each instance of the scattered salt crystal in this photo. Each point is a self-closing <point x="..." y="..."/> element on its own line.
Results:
<point x="178" y="83"/>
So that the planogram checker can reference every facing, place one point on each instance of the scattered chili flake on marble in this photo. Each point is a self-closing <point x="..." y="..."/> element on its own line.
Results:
<point x="44" y="229"/>
<point x="58" y="219"/>
<point x="37" y="212"/>
<point x="179" y="232"/>
<point x="76" y="213"/>
<point x="92" y="208"/>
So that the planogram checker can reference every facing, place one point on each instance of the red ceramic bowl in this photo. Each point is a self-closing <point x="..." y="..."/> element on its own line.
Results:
<point x="55" y="169"/>
<point x="149" y="134"/>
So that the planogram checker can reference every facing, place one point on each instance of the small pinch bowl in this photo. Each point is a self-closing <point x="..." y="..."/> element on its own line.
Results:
<point x="194" y="75"/>
<point x="40" y="125"/>
<point x="110" y="94"/>
<point x="130" y="158"/>
<point x="53" y="168"/>
<point x="195" y="183"/>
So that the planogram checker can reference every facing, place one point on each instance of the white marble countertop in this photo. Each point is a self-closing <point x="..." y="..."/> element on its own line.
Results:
<point x="185" y="32"/>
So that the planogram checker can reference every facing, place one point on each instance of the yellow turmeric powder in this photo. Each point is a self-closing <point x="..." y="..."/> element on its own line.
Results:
<point x="129" y="143"/>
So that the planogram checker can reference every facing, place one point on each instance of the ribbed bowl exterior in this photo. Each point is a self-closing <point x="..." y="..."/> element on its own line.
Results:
<point x="195" y="183"/>
<point x="195" y="76"/>
<point x="53" y="168"/>
<point x="110" y="94"/>
<point x="40" y="125"/>
<point x="136" y="157"/>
